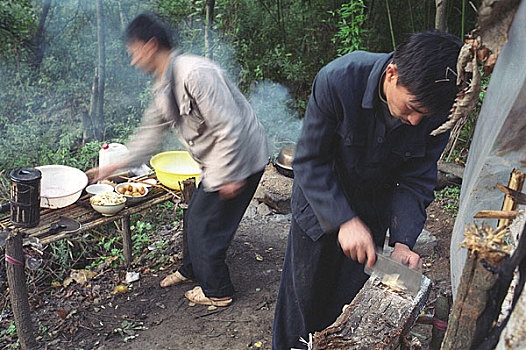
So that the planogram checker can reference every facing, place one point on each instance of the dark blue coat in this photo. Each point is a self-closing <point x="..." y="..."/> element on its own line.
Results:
<point x="347" y="165"/>
<point x="344" y="156"/>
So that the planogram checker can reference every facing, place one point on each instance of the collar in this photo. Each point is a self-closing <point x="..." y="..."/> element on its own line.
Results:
<point x="373" y="80"/>
<point x="168" y="72"/>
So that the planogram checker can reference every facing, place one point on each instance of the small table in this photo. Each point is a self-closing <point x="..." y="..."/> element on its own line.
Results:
<point x="82" y="211"/>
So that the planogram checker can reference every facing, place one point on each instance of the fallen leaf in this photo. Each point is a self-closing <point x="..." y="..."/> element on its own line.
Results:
<point x="79" y="276"/>
<point x="63" y="314"/>
<point x="258" y="344"/>
<point x="212" y="308"/>
<point x="259" y="257"/>
<point x="120" y="289"/>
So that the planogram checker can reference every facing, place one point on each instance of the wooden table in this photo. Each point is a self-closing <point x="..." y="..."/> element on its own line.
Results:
<point x="90" y="219"/>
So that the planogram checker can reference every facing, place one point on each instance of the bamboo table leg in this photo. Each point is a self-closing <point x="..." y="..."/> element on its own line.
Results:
<point x="126" y="240"/>
<point x="16" y="280"/>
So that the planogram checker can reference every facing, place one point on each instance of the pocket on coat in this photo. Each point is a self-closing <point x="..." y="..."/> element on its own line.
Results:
<point x="305" y="217"/>
<point x="407" y="152"/>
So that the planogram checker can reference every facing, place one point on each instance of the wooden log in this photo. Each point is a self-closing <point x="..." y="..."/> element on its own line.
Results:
<point x="377" y="318"/>
<point x="126" y="240"/>
<point x="18" y="291"/>
<point x="470" y="301"/>
<point x="496" y="214"/>
<point x="515" y="183"/>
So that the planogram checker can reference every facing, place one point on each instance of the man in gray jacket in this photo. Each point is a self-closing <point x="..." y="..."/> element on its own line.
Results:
<point x="220" y="130"/>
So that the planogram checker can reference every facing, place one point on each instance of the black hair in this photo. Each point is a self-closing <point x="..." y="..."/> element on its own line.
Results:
<point x="426" y="63"/>
<point x="146" y="26"/>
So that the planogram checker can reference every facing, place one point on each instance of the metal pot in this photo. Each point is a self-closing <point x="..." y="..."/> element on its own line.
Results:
<point x="283" y="162"/>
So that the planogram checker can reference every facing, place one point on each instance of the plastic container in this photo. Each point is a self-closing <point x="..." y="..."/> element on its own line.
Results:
<point x="24" y="197"/>
<point x="113" y="153"/>
<point x="61" y="185"/>
<point x="174" y="167"/>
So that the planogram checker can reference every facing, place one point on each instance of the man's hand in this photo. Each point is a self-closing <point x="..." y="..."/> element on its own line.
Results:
<point x="357" y="242"/>
<point x="232" y="189"/>
<point x="96" y="174"/>
<point x="406" y="256"/>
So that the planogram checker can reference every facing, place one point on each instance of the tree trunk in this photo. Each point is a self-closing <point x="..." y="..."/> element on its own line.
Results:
<point x="38" y="40"/>
<point x="440" y="16"/>
<point x="98" y="116"/>
<point x="209" y="10"/>
<point x="122" y="16"/>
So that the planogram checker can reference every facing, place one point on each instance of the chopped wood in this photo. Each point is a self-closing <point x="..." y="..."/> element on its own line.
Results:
<point x="377" y="318"/>
<point x="496" y="214"/>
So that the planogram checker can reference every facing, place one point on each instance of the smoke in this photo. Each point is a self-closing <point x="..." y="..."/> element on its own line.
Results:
<point x="271" y="102"/>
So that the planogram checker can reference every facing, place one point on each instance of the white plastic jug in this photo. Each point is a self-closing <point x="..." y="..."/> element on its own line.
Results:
<point x="113" y="153"/>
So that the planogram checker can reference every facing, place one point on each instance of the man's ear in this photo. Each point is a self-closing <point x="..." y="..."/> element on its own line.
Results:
<point x="391" y="73"/>
<point x="151" y="47"/>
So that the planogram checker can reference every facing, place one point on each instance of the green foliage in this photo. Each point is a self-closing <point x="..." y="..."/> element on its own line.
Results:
<point x="449" y="198"/>
<point x="351" y="34"/>
<point x="17" y="24"/>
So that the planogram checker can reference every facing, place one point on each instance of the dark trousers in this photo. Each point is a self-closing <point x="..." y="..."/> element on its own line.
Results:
<point x="316" y="282"/>
<point x="211" y="224"/>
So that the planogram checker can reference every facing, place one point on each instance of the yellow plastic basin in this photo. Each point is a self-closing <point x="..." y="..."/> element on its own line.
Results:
<point x="174" y="167"/>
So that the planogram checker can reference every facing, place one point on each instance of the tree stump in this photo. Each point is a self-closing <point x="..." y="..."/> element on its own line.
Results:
<point x="377" y="318"/>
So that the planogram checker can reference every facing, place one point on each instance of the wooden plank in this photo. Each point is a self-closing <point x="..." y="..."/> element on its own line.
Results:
<point x="377" y="318"/>
<point x="496" y="214"/>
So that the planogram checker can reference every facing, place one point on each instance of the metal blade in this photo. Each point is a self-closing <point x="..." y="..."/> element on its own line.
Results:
<point x="397" y="276"/>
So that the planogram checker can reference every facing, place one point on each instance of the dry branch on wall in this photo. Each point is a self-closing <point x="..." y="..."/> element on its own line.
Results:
<point x="484" y="45"/>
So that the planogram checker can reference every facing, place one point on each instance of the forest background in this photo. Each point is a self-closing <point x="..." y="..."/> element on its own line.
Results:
<point x="66" y="85"/>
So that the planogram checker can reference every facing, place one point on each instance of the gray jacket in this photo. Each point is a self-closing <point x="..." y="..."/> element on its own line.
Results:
<point x="214" y="121"/>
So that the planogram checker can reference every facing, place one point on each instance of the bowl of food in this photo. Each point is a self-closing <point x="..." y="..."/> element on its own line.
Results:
<point x="109" y="203"/>
<point x="174" y="167"/>
<point x="132" y="191"/>
<point x="99" y="188"/>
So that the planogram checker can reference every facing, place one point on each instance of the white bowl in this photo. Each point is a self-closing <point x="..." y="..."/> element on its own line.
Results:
<point x="99" y="188"/>
<point x="132" y="199"/>
<point x="60" y="185"/>
<point x="108" y="210"/>
<point x="108" y="204"/>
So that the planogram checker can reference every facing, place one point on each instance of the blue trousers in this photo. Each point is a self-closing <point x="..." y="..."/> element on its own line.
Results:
<point x="316" y="282"/>
<point x="211" y="224"/>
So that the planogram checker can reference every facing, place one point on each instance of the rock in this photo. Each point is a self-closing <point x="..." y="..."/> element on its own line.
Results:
<point x="263" y="209"/>
<point x="425" y="244"/>
<point x="274" y="190"/>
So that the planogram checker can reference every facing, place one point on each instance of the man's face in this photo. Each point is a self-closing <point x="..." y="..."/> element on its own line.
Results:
<point x="400" y="102"/>
<point x="141" y="55"/>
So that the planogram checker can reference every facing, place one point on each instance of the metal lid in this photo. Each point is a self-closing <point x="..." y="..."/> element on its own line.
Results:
<point x="25" y="175"/>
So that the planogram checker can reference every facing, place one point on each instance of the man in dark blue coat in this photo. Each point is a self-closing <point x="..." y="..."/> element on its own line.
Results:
<point x="365" y="162"/>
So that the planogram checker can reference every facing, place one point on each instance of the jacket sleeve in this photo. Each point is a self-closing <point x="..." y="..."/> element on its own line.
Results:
<point x="314" y="158"/>
<point x="148" y="136"/>
<point x="414" y="192"/>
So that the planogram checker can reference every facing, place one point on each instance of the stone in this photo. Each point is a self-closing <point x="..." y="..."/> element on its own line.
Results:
<point x="425" y="244"/>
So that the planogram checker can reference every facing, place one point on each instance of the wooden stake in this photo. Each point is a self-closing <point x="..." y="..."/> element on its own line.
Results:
<point x="515" y="183"/>
<point x="16" y="280"/>
<point x="126" y="240"/>
<point x="496" y="214"/>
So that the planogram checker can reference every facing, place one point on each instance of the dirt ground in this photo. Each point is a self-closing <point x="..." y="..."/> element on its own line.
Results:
<point x="151" y="317"/>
